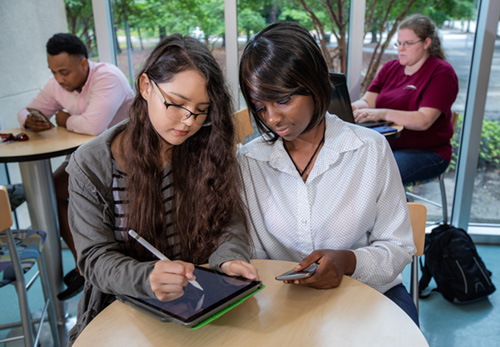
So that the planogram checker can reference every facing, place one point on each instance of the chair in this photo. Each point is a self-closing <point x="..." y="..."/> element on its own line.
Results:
<point x="19" y="250"/>
<point x="16" y="191"/>
<point x="243" y="125"/>
<point x="418" y="218"/>
<point x="444" y="203"/>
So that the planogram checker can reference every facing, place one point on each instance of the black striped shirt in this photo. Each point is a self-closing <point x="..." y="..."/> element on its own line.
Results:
<point x="120" y="207"/>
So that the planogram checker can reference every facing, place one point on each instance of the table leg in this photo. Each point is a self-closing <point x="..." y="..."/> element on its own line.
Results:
<point x="40" y="195"/>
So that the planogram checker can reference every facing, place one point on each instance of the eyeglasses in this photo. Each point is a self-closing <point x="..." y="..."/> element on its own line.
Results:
<point x="11" y="138"/>
<point x="406" y="44"/>
<point x="178" y="113"/>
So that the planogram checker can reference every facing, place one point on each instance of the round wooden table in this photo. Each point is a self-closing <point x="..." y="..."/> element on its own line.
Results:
<point x="353" y="314"/>
<point x="47" y="144"/>
<point x="33" y="157"/>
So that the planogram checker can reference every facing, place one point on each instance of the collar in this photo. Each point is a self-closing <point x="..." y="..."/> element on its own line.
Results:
<point x="340" y="137"/>
<point x="85" y="87"/>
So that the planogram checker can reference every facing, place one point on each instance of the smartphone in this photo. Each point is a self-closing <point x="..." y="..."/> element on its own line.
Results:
<point x="295" y="275"/>
<point x="37" y="113"/>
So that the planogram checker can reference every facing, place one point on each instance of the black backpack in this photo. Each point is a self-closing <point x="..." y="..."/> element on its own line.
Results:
<point x="452" y="259"/>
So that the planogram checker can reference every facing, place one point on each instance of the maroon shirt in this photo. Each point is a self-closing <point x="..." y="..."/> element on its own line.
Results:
<point x="434" y="85"/>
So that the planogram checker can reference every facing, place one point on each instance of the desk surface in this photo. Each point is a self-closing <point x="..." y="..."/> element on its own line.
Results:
<point x="353" y="314"/>
<point x="41" y="145"/>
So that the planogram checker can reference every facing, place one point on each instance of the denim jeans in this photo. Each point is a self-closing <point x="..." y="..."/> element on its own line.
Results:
<point x="400" y="296"/>
<point x="419" y="164"/>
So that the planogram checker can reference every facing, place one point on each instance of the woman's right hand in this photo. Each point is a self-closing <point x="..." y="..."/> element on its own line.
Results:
<point x="169" y="278"/>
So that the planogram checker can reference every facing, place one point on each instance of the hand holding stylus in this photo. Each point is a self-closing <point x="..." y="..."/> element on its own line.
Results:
<point x="157" y="253"/>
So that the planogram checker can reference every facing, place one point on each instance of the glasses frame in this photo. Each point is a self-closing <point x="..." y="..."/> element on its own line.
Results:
<point x="207" y="122"/>
<point x="406" y="44"/>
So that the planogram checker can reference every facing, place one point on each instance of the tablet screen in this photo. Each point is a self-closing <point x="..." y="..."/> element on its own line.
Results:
<point x="219" y="291"/>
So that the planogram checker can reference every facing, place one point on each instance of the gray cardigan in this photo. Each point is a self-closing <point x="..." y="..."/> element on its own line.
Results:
<point x="106" y="269"/>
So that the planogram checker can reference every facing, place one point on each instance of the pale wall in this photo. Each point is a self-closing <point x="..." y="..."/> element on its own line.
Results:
<point x="25" y="27"/>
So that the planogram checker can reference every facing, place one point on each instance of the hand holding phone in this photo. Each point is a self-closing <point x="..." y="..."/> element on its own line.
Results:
<point x="37" y="121"/>
<point x="295" y="275"/>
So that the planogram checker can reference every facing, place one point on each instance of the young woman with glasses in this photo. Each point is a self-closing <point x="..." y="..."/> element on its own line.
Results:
<point x="170" y="174"/>
<point x="417" y="91"/>
<point x="318" y="189"/>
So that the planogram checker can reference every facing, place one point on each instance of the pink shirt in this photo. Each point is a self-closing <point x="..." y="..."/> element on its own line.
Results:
<point x="103" y="102"/>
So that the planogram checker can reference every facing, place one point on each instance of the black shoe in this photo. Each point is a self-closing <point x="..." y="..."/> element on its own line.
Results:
<point x="74" y="287"/>
<point x="70" y="276"/>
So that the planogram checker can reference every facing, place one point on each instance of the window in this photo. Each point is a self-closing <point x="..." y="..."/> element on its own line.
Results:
<point x="486" y="194"/>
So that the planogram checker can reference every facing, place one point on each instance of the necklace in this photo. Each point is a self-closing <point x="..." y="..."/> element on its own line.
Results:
<point x="310" y="159"/>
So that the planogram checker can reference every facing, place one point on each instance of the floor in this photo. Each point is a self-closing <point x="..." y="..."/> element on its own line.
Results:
<point x="10" y="309"/>
<point x="443" y="324"/>
<point x="478" y="324"/>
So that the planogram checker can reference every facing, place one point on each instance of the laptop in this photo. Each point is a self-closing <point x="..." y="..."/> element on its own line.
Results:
<point x="340" y="102"/>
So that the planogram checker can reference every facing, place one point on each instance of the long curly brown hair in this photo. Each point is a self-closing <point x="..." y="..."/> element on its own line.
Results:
<point x="205" y="174"/>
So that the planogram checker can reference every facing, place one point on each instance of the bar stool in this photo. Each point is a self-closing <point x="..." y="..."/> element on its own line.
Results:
<point x="19" y="250"/>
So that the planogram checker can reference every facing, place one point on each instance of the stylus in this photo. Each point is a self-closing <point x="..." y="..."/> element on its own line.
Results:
<point x="157" y="253"/>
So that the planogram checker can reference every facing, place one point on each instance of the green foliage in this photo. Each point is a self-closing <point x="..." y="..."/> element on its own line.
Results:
<point x="250" y="21"/>
<point x="464" y="9"/>
<point x="293" y="14"/>
<point x="328" y="19"/>
<point x="81" y="22"/>
<point x="489" y="154"/>
<point x="489" y="146"/>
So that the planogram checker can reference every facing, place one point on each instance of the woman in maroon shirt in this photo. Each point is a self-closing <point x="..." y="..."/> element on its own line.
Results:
<point x="416" y="91"/>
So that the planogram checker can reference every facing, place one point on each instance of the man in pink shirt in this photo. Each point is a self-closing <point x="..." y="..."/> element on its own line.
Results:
<point x="86" y="97"/>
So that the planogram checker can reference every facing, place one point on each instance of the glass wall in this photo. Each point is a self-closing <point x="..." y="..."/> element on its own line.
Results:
<point x="486" y="194"/>
<point x="80" y="17"/>
<point x="139" y="25"/>
<point x="457" y="38"/>
<point x="316" y="16"/>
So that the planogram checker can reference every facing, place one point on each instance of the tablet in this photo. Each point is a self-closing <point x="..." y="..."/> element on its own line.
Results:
<point x="196" y="308"/>
<point x="37" y="113"/>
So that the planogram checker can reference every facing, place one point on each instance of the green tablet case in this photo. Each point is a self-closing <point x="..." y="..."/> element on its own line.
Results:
<point x="221" y="312"/>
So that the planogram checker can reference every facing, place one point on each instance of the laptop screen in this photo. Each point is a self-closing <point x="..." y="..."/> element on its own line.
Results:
<point x="340" y="102"/>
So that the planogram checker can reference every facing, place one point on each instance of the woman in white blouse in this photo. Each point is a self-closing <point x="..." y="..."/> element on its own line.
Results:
<point x="319" y="190"/>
